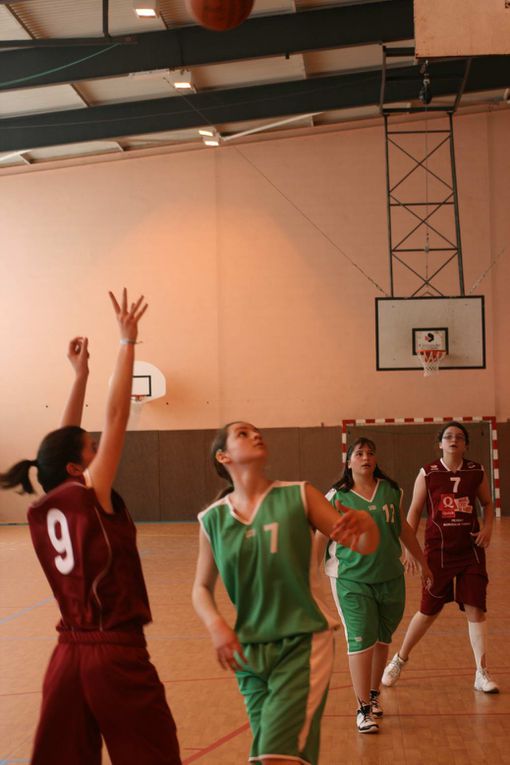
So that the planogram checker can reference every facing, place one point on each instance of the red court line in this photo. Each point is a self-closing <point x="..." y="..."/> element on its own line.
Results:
<point x="219" y="742"/>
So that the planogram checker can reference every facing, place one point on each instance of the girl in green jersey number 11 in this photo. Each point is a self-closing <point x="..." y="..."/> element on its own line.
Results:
<point x="259" y="537"/>
<point x="370" y="592"/>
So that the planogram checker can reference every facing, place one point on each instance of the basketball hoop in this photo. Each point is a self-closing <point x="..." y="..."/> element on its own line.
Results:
<point x="430" y="360"/>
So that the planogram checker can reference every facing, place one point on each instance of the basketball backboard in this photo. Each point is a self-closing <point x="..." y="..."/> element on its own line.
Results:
<point x="148" y="382"/>
<point x="405" y="326"/>
<point x="461" y="28"/>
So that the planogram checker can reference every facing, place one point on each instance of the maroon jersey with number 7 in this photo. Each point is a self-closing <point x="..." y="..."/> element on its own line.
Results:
<point x="452" y="509"/>
<point x="90" y="559"/>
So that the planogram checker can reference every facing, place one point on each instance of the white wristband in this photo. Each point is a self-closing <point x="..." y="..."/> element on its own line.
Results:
<point x="128" y="341"/>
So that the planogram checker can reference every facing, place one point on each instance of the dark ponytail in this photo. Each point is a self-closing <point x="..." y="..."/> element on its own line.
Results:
<point x="17" y="475"/>
<point x="219" y="443"/>
<point x="346" y="481"/>
<point x="57" y="449"/>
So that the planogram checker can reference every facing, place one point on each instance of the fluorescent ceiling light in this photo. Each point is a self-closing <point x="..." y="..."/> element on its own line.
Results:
<point x="146" y="9"/>
<point x="182" y="80"/>
<point x="210" y="136"/>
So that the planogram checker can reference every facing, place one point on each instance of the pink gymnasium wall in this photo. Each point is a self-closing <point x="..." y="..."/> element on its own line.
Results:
<point x="253" y="312"/>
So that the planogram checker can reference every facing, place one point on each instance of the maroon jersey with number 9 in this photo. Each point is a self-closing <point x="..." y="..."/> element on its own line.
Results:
<point x="90" y="559"/>
<point x="452" y="509"/>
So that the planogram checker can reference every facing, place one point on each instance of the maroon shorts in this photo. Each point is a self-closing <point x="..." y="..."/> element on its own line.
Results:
<point x="464" y="583"/>
<point x="103" y="684"/>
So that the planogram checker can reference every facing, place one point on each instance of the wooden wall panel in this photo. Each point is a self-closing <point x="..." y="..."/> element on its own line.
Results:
<point x="182" y="476"/>
<point x="137" y="478"/>
<point x="320" y="452"/>
<point x="168" y="475"/>
<point x="284" y="460"/>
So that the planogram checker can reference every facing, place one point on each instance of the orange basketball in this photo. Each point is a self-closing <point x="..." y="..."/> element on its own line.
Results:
<point x="220" y="15"/>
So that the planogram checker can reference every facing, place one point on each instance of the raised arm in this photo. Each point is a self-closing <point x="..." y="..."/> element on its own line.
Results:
<point x="78" y="355"/>
<point x="352" y="528"/>
<point x="223" y="637"/>
<point x="104" y="466"/>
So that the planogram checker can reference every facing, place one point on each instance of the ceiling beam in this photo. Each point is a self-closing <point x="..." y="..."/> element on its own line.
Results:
<point x="245" y="104"/>
<point x="260" y="37"/>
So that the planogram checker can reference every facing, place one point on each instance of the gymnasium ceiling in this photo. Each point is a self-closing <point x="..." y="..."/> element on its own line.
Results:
<point x="81" y="78"/>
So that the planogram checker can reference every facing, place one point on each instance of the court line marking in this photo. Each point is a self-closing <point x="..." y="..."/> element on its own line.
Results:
<point x="219" y="742"/>
<point x="23" y="611"/>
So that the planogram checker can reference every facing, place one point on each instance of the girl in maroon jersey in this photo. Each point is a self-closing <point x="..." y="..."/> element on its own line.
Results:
<point x="454" y="547"/>
<point x="100" y="681"/>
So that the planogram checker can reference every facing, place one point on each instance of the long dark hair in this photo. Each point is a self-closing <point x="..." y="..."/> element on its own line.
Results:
<point x="346" y="481"/>
<point x="218" y="444"/>
<point x="453" y="424"/>
<point x="57" y="449"/>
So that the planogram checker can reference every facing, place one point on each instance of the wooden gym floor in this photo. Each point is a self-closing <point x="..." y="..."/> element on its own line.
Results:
<point x="433" y="716"/>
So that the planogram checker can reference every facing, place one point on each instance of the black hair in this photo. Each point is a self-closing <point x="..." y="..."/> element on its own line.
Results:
<point x="346" y="481"/>
<point x="453" y="424"/>
<point x="57" y="449"/>
<point x="218" y="444"/>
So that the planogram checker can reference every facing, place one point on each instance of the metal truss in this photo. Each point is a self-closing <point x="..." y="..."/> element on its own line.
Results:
<point x="417" y="267"/>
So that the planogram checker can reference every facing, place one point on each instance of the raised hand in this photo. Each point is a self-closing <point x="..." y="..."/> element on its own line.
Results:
<point x="128" y="318"/>
<point x="78" y="354"/>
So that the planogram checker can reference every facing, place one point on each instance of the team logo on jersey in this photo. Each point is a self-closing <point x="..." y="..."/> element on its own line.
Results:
<point x="449" y="505"/>
<point x="472" y="465"/>
<point x="249" y="534"/>
<point x="434" y="467"/>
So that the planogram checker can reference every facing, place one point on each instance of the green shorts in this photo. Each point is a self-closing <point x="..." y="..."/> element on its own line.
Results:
<point x="285" y="686"/>
<point x="370" y="612"/>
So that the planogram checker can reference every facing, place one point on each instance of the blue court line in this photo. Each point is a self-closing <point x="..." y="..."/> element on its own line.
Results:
<point x="10" y="762"/>
<point x="15" y="616"/>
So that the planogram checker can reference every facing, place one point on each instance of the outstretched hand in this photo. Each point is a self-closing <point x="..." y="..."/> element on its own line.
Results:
<point x="78" y="354"/>
<point x="351" y="525"/>
<point x="128" y="318"/>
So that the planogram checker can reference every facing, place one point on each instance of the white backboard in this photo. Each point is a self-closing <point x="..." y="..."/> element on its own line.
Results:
<point x="458" y="321"/>
<point x="461" y="28"/>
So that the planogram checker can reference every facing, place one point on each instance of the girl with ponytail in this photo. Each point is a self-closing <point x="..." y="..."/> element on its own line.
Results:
<point x="258" y="536"/>
<point x="100" y="682"/>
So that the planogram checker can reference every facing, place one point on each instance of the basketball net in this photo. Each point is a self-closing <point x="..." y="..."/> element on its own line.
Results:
<point x="137" y="403"/>
<point x="430" y="361"/>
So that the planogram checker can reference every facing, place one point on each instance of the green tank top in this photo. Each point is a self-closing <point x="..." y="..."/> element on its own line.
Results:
<point x="384" y="564"/>
<point x="267" y="565"/>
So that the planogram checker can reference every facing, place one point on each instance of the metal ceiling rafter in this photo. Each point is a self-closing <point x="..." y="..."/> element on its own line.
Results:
<point x="214" y="107"/>
<point x="259" y="37"/>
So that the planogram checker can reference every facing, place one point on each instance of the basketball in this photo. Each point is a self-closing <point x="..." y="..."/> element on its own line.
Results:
<point x="220" y="15"/>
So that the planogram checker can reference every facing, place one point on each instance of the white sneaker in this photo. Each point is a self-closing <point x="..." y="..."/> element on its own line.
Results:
<point x="484" y="682"/>
<point x="364" y="720"/>
<point x="393" y="670"/>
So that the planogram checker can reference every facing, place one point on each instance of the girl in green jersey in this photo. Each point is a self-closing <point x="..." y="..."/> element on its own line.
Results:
<point x="259" y="537"/>
<point x="369" y="591"/>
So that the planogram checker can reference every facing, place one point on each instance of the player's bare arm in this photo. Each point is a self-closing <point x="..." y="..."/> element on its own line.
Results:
<point x="483" y="537"/>
<point x="224" y="639"/>
<point x="78" y="355"/>
<point x="354" y="529"/>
